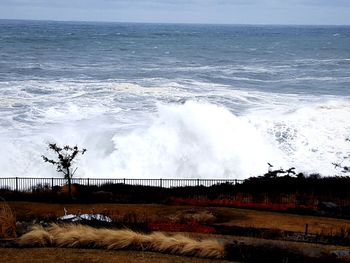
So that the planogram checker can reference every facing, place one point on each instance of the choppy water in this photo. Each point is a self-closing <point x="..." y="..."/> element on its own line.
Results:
<point x="183" y="101"/>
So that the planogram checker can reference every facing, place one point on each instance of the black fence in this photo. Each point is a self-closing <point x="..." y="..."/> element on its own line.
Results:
<point x="23" y="184"/>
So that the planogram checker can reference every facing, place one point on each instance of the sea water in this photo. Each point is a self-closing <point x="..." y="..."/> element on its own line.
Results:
<point x="174" y="101"/>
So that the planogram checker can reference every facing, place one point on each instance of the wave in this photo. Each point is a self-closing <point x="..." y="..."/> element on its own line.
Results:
<point x="311" y="137"/>
<point x="211" y="131"/>
<point x="193" y="140"/>
<point x="335" y="61"/>
<point x="205" y="140"/>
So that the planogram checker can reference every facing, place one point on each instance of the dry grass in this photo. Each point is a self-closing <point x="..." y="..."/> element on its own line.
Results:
<point x="282" y="221"/>
<point x="38" y="237"/>
<point x="30" y="210"/>
<point x="202" y="216"/>
<point x="258" y="250"/>
<point x="80" y="236"/>
<point x="74" y="255"/>
<point x="7" y="221"/>
<point x="226" y="216"/>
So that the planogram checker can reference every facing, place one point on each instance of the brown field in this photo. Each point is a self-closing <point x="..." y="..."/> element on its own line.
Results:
<point x="50" y="255"/>
<point x="225" y="216"/>
<point x="28" y="211"/>
<point x="283" y="221"/>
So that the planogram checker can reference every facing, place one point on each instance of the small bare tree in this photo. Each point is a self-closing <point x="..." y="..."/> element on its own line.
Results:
<point x="340" y="165"/>
<point x="66" y="156"/>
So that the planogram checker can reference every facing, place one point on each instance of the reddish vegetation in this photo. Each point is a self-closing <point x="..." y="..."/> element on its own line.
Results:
<point x="142" y="215"/>
<point x="181" y="227"/>
<point x="287" y="204"/>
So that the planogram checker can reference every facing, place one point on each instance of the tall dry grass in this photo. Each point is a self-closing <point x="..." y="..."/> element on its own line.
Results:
<point x="37" y="237"/>
<point x="80" y="236"/>
<point x="7" y="221"/>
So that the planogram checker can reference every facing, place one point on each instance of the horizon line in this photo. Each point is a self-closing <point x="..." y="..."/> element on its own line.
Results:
<point x="172" y="23"/>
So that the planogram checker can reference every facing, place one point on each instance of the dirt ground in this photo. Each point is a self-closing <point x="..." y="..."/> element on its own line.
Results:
<point x="50" y="255"/>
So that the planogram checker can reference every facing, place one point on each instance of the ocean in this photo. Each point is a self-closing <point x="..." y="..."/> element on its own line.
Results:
<point x="174" y="100"/>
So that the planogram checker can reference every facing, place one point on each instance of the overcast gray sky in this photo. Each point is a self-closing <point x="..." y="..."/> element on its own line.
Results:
<point x="325" y="12"/>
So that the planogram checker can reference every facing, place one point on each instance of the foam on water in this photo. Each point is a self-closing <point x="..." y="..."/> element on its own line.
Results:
<point x="173" y="100"/>
<point x="311" y="137"/>
<point x="204" y="140"/>
<point x="194" y="140"/>
<point x="224" y="134"/>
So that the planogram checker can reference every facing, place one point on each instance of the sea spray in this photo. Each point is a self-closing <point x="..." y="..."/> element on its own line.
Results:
<point x="194" y="140"/>
<point x="249" y="102"/>
<point x="311" y="137"/>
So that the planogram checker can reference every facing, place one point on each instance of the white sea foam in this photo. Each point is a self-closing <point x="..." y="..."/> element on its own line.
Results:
<point x="203" y="140"/>
<point x="193" y="140"/>
<point x="311" y="137"/>
<point x="172" y="111"/>
<point x="212" y="131"/>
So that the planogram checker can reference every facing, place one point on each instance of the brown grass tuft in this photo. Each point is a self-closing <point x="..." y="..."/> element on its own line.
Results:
<point x="37" y="237"/>
<point x="80" y="236"/>
<point x="7" y="221"/>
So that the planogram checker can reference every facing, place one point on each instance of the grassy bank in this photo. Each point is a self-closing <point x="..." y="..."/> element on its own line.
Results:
<point x="247" y="235"/>
<point x="29" y="211"/>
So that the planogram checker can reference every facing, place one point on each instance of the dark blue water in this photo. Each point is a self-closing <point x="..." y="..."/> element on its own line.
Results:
<point x="164" y="100"/>
<point x="287" y="59"/>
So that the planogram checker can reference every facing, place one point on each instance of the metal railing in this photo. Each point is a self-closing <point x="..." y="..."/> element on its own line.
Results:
<point x="23" y="184"/>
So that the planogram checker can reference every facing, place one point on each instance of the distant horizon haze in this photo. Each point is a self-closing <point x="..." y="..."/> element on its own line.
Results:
<point x="173" y="23"/>
<point x="248" y="12"/>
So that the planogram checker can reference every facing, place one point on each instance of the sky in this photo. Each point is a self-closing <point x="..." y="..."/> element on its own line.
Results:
<point x="306" y="12"/>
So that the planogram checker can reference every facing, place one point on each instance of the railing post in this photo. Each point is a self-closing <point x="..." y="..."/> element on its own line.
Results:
<point x="52" y="183"/>
<point x="16" y="184"/>
<point x="124" y="180"/>
<point x="197" y="182"/>
<point x="306" y="229"/>
<point x="160" y="182"/>
<point x="88" y="181"/>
